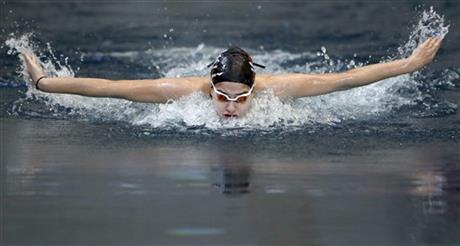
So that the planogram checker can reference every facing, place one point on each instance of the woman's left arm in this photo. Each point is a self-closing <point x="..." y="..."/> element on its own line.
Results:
<point x="302" y="85"/>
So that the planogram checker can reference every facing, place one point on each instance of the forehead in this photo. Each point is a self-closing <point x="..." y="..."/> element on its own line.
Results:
<point x="232" y="87"/>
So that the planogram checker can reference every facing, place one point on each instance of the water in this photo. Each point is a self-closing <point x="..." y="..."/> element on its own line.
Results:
<point x="376" y="165"/>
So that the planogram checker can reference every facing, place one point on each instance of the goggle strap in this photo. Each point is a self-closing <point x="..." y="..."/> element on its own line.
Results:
<point x="210" y="64"/>
<point x="261" y="66"/>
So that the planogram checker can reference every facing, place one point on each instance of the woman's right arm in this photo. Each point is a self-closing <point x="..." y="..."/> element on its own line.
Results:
<point x="146" y="90"/>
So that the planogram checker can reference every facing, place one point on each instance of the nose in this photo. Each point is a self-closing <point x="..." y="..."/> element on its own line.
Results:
<point x="231" y="107"/>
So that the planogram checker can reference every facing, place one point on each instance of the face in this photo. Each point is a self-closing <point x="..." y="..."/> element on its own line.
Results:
<point x="228" y="109"/>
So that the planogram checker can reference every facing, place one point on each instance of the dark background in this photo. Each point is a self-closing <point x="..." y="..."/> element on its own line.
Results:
<point x="345" y="27"/>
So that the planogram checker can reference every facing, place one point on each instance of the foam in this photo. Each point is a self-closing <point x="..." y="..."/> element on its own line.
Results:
<point x="267" y="111"/>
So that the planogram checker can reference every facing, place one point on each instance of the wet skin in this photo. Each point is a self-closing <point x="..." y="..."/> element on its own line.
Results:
<point x="288" y="85"/>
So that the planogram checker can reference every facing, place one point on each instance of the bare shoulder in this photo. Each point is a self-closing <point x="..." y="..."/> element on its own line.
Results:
<point x="281" y="84"/>
<point x="263" y="81"/>
<point x="199" y="84"/>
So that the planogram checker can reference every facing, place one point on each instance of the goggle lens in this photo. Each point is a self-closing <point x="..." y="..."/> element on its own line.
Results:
<point x="222" y="97"/>
<point x="240" y="99"/>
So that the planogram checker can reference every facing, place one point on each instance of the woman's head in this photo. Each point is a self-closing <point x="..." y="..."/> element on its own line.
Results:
<point x="232" y="81"/>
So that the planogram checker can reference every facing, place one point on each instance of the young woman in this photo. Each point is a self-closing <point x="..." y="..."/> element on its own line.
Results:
<point x="232" y="82"/>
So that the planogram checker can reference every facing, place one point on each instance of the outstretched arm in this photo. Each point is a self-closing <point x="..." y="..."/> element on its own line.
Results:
<point x="146" y="90"/>
<point x="301" y="85"/>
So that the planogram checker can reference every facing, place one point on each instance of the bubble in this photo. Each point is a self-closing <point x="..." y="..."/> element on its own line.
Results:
<point x="267" y="112"/>
<point x="430" y="24"/>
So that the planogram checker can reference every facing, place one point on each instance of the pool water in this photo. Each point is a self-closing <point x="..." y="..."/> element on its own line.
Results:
<point x="375" y="165"/>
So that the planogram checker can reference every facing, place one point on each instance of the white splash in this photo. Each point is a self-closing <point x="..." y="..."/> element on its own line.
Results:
<point x="267" y="110"/>
<point x="430" y="24"/>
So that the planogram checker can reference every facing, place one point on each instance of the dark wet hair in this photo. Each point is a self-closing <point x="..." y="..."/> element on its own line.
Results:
<point x="234" y="65"/>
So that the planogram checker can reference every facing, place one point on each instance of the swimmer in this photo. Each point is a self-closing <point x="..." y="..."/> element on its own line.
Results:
<point x="232" y="82"/>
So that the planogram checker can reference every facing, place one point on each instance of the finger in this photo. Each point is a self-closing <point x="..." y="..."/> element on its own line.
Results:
<point x="30" y="56"/>
<point x="431" y="42"/>
<point x="26" y="53"/>
<point x="26" y="59"/>
<point x="33" y="58"/>
<point x="425" y="43"/>
<point x="435" y="40"/>
<point x="437" y="46"/>
<point x="434" y="51"/>
<point x="439" y="42"/>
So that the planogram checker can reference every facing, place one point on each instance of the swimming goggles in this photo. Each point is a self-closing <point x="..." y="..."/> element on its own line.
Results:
<point x="223" y="97"/>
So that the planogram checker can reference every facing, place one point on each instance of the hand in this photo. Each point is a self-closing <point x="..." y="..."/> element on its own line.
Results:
<point x="424" y="53"/>
<point x="34" y="68"/>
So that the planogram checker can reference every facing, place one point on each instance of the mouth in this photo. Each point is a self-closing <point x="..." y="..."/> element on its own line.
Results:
<point x="230" y="115"/>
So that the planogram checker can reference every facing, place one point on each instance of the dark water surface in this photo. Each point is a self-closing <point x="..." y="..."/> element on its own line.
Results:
<point x="79" y="183"/>
<point x="74" y="174"/>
